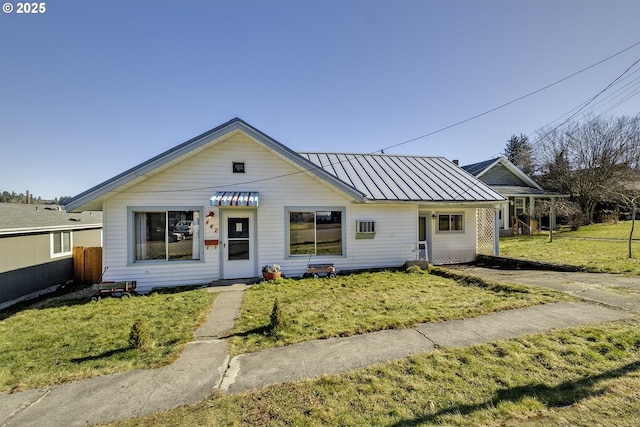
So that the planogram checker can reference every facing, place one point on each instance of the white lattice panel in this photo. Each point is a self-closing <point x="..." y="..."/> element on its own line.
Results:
<point x="484" y="231"/>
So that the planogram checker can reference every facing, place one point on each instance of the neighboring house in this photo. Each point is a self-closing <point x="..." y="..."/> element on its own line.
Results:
<point x="36" y="244"/>
<point x="518" y="188"/>
<point x="251" y="201"/>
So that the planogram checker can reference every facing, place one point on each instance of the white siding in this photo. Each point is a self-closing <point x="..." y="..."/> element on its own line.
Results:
<point x="192" y="182"/>
<point x="454" y="247"/>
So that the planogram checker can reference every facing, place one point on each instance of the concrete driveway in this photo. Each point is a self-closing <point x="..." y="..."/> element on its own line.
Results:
<point x="615" y="290"/>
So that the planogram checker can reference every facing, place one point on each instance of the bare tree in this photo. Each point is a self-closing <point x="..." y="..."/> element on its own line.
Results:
<point x="592" y="161"/>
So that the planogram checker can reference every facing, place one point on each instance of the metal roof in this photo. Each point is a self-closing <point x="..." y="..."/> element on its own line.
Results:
<point x="405" y="178"/>
<point x="18" y="218"/>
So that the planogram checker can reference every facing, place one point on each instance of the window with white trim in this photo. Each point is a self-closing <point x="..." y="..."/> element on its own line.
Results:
<point x="166" y="235"/>
<point x="450" y="223"/>
<point x="60" y="243"/>
<point x="315" y="232"/>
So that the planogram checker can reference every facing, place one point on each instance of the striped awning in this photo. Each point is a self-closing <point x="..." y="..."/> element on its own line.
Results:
<point x="235" y="198"/>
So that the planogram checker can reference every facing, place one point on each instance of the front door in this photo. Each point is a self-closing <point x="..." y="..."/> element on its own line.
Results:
<point x="423" y="238"/>
<point x="239" y="258"/>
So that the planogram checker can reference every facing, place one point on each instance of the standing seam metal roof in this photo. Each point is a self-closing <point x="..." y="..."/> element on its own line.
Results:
<point x="404" y="178"/>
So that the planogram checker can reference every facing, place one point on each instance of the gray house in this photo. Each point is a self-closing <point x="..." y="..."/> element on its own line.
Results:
<point x="36" y="244"/>
<point x="520" y="190"/>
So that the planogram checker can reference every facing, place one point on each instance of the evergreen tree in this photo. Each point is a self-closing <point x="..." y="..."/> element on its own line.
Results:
<point x="519" y="152"/>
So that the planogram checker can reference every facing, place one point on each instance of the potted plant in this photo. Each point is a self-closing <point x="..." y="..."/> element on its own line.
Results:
<point x="271" y="271"/>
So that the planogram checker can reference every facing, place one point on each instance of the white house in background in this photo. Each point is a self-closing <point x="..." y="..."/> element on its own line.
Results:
<point x="224" y="203"/>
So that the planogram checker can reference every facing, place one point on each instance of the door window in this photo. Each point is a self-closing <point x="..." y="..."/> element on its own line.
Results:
<point x="238" y="238"/>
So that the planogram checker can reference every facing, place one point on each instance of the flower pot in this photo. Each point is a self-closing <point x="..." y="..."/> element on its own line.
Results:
<point x="271" y="276"/>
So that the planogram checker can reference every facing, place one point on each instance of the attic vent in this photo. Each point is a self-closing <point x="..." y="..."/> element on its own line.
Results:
<point x="238" y="167"/>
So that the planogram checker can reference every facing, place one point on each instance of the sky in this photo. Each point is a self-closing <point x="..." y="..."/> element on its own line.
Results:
<point x="91" y="88"/>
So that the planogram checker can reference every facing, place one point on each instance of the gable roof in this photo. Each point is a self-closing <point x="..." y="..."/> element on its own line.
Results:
<point x="483" y="169"/>
<point x="92" y="199"/>
<point x="18" y="219"/>
<point x="385" y="177"/>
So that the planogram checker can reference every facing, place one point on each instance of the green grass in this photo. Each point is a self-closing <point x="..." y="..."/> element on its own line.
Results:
<point x="581" y="376"/>
<point x="366" y="302"/>
<point x="588" y="247"/>
<point x="68" y="340"/>
<point x="619" y="230"/>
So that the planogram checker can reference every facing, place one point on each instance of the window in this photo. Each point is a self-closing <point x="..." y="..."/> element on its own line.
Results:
<point x="519" y="206"/>
<point x="60" y="243"/>
<point x="315" y="232"/>
<point x="166" y="235"/>
<point x="365" y="229"/>
<point x="450" y="222"/>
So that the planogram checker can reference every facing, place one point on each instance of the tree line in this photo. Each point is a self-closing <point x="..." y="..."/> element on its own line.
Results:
<point x="13" y="197"/>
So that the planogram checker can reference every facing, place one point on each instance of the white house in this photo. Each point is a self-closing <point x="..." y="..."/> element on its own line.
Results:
<point x="224" y="203"/>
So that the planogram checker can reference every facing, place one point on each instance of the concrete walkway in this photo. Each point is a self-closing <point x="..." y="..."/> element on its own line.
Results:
<point x="204" y="366"/>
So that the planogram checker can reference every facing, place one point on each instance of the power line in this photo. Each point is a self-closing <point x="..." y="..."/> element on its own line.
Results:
<point x="316" y="167"/>
<point x="512" y="101"/>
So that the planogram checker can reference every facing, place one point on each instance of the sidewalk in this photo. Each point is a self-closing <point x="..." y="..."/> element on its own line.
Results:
<point x="204" y="366"/>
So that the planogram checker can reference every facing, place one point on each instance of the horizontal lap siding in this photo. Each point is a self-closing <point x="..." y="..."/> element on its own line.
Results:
<point x="452" y="248"/>
<point x="395" y="236"/>
<point x="192" y="183"/>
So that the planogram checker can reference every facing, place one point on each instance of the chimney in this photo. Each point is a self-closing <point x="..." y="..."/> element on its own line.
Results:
<point x="456" y="162"/>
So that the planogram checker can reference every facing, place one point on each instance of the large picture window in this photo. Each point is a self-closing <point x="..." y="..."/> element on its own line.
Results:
<point x="166" y="235"/>
<point x="315" y="232"/>
<point x="450" y="222"/>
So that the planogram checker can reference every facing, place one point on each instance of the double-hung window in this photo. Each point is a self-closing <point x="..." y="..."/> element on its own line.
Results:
<point x="450" y="223"/>
<point x="165" y="235"/>
<point x="315" y="231"/>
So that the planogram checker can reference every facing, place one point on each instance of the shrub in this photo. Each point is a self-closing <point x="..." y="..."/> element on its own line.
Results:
<point x="277" y="319"/>
<point x="140" y="335"/>
<point x="414" y="269"/>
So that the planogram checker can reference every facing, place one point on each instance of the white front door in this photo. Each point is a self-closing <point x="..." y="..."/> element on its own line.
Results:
<point x="239" y="258"/>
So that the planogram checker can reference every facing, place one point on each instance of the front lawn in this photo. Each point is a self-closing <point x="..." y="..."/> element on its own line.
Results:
<point x="598" y="247"/>
<point x="366" y="302"/>
<point x="584" y="376"/>
<point x="69" y="340"/>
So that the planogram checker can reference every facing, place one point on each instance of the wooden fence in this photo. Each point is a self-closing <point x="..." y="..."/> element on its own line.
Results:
<point x="87" y="264"/>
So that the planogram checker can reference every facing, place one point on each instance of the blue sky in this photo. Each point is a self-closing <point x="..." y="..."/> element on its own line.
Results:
<point x="92" y="88"/>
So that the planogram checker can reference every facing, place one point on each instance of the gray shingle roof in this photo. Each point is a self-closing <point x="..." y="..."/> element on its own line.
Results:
<point x="21" y="218"/>
<point x="475" y="168"/>
<point x="404" y="178"/>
